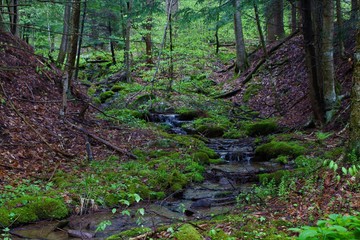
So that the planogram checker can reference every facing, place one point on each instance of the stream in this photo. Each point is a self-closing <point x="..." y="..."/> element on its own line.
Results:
<point x="216" y="195"/>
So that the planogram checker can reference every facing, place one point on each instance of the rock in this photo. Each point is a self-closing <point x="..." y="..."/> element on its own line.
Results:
<point x="80" y="234"/>
<point x="202" y="203"/>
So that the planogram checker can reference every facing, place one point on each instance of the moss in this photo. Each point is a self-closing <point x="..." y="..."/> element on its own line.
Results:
<point x="282" y="159"/>
<point x="25" y="215"/>
<point x="211" y="131"/>
<point x="216" y="161"/>
<point x="190" y="114"/>
<point x="274" y="149"/>
<point x="263" y="127"/>
<point x="218" y="234"/>
<point x="46" y="208"/>
<point x="234" y="133"/>
<point x="334" y="153"/>
<point x="201" y="157"/>
<point x="4" y="217"/>
<point x="106" y="95"/>
<point x="111" y="200"/>
<point x="250" y="91"/>
<point x="186" y="232"/>
<point x="117" y="88"/>
<point x="130" y="233"/>
<point x="142" y="100"/>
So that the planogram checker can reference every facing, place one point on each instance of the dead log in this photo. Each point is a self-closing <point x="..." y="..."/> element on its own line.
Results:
<point x="105" y="142"/>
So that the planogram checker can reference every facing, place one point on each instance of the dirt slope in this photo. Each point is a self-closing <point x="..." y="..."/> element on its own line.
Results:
<point x="34" y="140"/>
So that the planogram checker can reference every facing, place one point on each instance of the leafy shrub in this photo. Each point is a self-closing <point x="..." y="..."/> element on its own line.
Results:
<point x="335" y="227"/>
<point x="274" y="149"/>
<point x="106" y="95"/>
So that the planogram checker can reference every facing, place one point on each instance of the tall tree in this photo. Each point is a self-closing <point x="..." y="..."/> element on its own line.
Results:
<point x="340" y="28"/>
<point x="318" y="30"/>
<point x="127" y="59"/>
<point x="275" y="20"/>
<point x="354" y="143"/>
<point x="148" y="28"/>
<point x="64" y="45"/>
<point x="354" y="12"/>
<point x="258" y="25"/>
<point x="241" y="62"/>
<point x="14" y="17"/>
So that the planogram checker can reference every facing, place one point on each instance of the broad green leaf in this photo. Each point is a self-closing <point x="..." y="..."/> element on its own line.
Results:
<point x="344" y="170"/>
<point x="308" y="234"/>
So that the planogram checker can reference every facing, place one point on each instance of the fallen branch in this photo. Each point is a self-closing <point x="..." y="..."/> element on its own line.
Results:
<point x="258" y="65"/>
<point x="105" y="142"/>
<point x="58" y="151"/>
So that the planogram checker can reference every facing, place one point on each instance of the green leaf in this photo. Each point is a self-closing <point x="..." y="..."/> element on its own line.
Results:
<point x="331" y="165"/>
<point x="125" y="202"/>
<point x="137" y="197"/>
<point x="344" y="170"/>
<point x="308" y="234"/>
<point x="113" y="210"/>
<point x="126" y="212"/>
<point x="141" y="211"/>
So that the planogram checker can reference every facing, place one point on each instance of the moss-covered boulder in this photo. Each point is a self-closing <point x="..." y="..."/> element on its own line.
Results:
<point x="5" y="219"/>
<point x="211" y="131"/>
<point x="274" y="149"/>
<point x="106" y="95"/>
<point x="263" y="127"/>
<point x="190" y="114"/>
<point x="201" y="157"/>
<point x="187" y="232"/>
<point x="29" y="209"/>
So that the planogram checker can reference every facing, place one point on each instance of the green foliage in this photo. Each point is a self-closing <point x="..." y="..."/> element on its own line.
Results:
<point x="335" y="227"/>
<point x="282" y="159"/>
<point x="186" y="232"/>
<point x="201" y="157"/>
<point x="130" y="233"/>
<point x="131" y="117"/>
<point x="263" y="127"/>
<point x="190" y="114"/>
<point x="274" y="149"/>
<point x="321" y="136"/>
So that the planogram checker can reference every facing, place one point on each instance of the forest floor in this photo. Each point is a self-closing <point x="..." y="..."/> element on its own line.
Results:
<point x="36" y="143"/>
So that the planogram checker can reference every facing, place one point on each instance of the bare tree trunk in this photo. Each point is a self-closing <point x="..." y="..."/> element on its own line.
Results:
<point x="241" y="62"/>
<point x="275" y="20"/>
<point x="354" y="12"/>
<point x="67" y="80"/>
<point x="127" y="41"/>
<point x="294" y="24"/>
<point x="326" y="54"/>
<point x="217" y="30"/>
<point x="65" y="36"/>
<point x="354" y="143"/>
<point x="14" y="17"/>
<point x="80" y="41"/>
<point x="112" y="48"/>
<point x="340" y="30"/>
<point x="316" y="98"/>
<point x="258" y="24"/>
<point x="147" y="37"/>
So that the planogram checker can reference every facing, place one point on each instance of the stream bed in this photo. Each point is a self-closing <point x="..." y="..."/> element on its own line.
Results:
<point x="215" y="195"/>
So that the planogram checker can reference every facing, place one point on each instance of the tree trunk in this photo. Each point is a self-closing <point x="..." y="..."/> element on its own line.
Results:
<point x="217" y="43"/>
<point x="294" y="23"/>
<point x="258" y="24"/>
<point x="354" y="143"/>
<point x="326" y="54"/>
<point x="354" y="12"/>
<point x="127" y="41"/>
<point x="147" y="37"/>
<point x="80" y="41"/>
<point x="67" y="80"/>
<point x="14" y="17"/>
<point x="65" y="36"/>
<point x="275" y="20"/>
<point x="340" y="28"/>
<point x="241" y="62"/>
<point x="316" y="98"/>
<point x="112" y="48"/>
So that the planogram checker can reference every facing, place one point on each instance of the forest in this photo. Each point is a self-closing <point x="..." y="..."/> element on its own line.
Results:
<point x="180" y="119"/>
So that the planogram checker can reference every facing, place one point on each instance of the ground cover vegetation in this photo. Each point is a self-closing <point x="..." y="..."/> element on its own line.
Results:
<point x="85" y="87"/>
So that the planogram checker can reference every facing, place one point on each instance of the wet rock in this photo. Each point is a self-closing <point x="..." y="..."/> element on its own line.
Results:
<point x="201" y="203"/>
<point x="80" y="234"/>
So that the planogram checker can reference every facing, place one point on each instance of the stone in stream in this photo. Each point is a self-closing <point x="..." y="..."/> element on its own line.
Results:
<point x="201" y="203"/>
<point x="80" y="234"/>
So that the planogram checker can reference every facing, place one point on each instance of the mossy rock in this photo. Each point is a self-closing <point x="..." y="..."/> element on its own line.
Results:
<point x="260" y="128"/>
<point x="129" y="233"/>
<point x="282" y="159"/>
<point x="211" y="131"/>
<point x="187" y="232"/>
<point x="274" y="149"/>
<point x="29" y="209"/>
<point x="117" y="88"/>
<point x="190" y="114"/>
<point x="201" y="157"/>
<point x="106" y="95"/>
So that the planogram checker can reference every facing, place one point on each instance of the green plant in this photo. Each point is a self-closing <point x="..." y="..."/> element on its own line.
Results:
<point x="335" y="227"/>
<point x="263" y="127"/>
<point x="274" y="149"/>
<point x="321" y="136"/>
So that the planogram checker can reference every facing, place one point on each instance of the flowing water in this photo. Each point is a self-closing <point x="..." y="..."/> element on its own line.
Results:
<point x="216" y="195"/>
